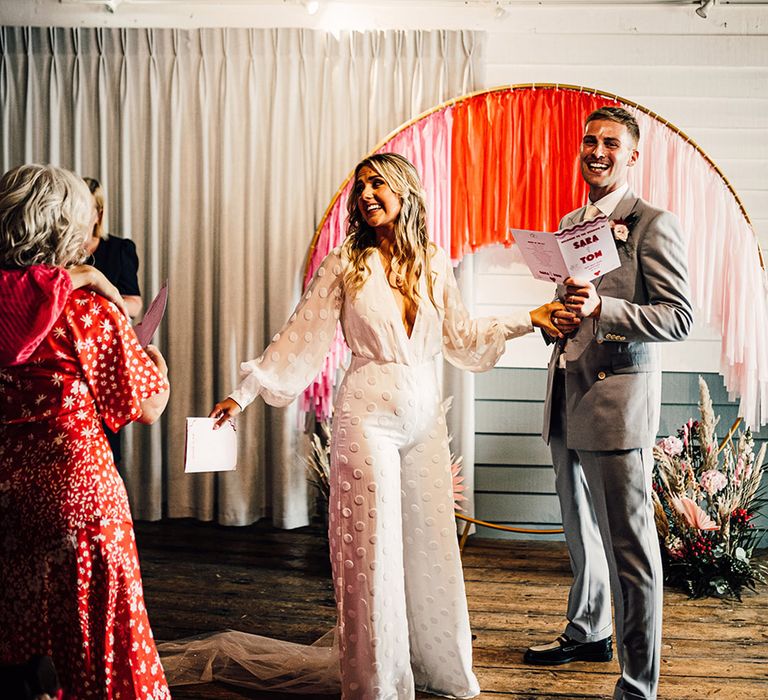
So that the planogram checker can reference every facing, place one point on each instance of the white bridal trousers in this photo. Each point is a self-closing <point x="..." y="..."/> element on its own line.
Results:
<point x="402" y="608"/>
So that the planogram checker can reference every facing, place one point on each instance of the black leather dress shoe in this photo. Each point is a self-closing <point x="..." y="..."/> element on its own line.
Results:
<point x="564" y="650"/>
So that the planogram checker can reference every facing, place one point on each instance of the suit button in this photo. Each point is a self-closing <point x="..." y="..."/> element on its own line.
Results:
<point x="599" y="341"/>
<point x="601" y="375"/>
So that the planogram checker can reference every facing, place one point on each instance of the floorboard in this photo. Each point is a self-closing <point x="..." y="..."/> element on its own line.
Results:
<point x="201" y="577"/>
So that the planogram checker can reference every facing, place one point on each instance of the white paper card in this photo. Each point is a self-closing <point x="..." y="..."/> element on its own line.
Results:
<point x="209" y="450"/>
<point x="583" y="251"/>
<point x="542" y="254"/>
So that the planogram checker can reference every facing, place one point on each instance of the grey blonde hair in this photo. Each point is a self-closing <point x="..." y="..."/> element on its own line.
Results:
<point x="411" y="249"/>
<point x="45" y="217"/>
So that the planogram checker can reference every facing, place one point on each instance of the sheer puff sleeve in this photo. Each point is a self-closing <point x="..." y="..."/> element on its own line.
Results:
<point x="295" y="355"/>
<point x="474" y="344"/>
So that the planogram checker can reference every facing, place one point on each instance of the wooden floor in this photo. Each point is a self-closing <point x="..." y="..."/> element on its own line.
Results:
<point x="203" y="578"/>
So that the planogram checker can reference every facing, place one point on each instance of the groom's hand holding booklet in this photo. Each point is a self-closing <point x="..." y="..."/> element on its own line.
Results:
<point x="583" y="251"/>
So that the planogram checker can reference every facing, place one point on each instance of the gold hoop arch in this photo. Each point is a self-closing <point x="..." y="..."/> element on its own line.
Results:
<point x="532" y="86"/>
<point x="468" y="522"/>
<point x="504" y="88"/>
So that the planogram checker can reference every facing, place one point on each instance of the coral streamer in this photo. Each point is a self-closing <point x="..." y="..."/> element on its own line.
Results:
<point x="514" y="163"/>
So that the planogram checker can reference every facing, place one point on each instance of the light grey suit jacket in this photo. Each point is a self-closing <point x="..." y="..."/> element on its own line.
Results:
<point x="613" y="370"/>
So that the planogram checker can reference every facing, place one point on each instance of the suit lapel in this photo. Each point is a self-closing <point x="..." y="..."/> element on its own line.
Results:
<point x="625" y="206"/>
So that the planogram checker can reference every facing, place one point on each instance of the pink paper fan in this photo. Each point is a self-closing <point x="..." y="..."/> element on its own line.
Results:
<point x="458" y="486"/>
<point x="693" y="514"/>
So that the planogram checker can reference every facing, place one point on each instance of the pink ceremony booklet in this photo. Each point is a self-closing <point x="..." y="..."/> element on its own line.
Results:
<point x="146" y="328"/>
<point x="583" y="251"/>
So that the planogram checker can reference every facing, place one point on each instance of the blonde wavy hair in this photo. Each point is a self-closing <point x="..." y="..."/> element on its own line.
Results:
<point x="45" y="217"/>
<point x="411" y="249"/>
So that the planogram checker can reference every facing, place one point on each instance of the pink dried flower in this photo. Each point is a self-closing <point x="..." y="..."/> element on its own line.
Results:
<point x="672" y="445"/>
<point x="621" y="228"/>
<point x="738" y="471"/>
<point x="713" y="481"/>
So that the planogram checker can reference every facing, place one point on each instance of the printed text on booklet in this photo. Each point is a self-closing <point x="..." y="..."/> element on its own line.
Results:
<point x="583" y="251"/>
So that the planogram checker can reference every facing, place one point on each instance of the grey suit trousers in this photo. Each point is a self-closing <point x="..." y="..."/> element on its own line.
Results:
<point x="605" y="499"/>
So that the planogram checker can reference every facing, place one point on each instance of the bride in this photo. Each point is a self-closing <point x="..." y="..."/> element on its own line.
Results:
<point x="403" y="623"/>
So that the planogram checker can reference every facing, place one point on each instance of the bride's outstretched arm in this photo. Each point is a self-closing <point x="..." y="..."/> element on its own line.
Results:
<point x="478" y="344"/>
<point x="296" y="353"/>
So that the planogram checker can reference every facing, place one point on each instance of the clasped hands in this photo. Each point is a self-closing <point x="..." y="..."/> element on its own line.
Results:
<point x="579" y="301"/>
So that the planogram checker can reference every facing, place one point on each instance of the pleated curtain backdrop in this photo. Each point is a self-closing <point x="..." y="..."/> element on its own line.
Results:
<point x="219" y="150"/>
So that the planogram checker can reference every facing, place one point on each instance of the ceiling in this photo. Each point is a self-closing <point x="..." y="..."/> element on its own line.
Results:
<point x="451" y="3"/>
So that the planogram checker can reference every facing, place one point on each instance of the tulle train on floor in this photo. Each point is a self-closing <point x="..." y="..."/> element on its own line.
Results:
<point x="252" y="661"/>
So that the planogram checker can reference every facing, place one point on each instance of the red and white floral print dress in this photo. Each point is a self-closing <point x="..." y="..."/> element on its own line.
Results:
<point x="70" y="584"/>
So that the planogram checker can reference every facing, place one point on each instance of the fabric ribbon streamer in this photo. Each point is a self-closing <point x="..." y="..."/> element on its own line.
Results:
<point x="507" y="158"/>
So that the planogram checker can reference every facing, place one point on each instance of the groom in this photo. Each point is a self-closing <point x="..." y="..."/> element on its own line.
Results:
<point x="602" y="413"/>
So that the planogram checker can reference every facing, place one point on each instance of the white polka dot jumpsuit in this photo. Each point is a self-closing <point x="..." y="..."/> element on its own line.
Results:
<point x="402" y="610"/>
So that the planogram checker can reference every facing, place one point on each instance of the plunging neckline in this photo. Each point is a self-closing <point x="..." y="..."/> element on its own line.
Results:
<point x="393" y="298"/>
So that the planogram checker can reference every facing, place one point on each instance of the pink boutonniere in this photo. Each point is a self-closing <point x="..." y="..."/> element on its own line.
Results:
<point x="620" y="232"/>
<point x="622" y="228"/>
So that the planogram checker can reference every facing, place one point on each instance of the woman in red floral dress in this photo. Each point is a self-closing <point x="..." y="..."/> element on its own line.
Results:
<point x="70" y="585"/>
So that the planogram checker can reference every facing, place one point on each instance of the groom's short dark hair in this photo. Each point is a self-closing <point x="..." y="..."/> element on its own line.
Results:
<point x="618" y="115"/>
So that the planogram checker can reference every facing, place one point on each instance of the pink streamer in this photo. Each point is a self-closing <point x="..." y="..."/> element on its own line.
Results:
<point x="427" y="144"/>
<point x="728" y="286"/>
